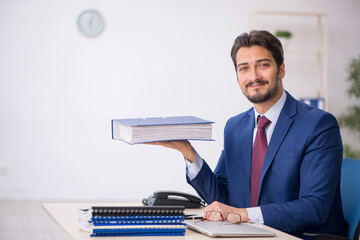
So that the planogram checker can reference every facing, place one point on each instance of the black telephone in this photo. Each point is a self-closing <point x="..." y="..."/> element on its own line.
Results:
<point x="173" y="198"/>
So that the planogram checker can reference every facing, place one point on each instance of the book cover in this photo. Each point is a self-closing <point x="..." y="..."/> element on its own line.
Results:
<point x="179" y="120"/>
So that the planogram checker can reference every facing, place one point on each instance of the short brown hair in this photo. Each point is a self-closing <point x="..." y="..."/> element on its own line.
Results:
<point x="260" y="38"/>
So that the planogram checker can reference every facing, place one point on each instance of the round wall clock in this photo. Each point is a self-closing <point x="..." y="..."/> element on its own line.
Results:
<point x="90" y="23"/>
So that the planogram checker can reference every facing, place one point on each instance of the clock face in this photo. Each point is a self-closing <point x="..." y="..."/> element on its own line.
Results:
<point x="90" y="23"/>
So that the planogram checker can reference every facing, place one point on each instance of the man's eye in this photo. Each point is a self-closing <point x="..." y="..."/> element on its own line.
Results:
<point x="262" y="65"/>
<point x="241" y="69"/>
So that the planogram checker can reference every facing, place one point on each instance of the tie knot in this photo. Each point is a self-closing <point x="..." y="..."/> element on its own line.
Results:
<point x="263" y="122"/>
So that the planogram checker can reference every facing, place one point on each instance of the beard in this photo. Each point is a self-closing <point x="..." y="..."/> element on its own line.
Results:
<point x="266" y="96"/>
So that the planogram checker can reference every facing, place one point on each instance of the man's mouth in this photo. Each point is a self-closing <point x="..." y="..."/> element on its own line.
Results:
<point x="257" y="83"/>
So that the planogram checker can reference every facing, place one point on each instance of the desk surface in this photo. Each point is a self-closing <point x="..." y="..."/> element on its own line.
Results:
<point x="64" y="216"/>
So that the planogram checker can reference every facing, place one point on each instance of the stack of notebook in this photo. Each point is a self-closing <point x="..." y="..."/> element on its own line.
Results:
<point x="132" y="221"/>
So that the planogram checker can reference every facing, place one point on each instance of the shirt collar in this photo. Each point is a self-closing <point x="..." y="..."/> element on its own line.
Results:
<point x="273" y="113"/>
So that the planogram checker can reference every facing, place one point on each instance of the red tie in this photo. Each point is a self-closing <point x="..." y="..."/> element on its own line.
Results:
<point x="258" y="155"/>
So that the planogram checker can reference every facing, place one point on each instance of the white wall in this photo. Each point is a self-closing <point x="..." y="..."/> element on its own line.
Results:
<point x="59" y="90"/>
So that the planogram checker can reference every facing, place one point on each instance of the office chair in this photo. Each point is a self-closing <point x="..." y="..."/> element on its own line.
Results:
<point x="350" y="194"/>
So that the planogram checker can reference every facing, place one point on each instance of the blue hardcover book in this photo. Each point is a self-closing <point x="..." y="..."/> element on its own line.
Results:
<point x="142" y="130"/>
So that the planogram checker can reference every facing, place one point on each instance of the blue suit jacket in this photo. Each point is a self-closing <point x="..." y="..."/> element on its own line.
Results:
<point x="300" y="179"/>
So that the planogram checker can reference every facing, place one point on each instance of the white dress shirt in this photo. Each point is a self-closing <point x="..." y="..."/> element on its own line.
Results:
<point x="192" y="169"/>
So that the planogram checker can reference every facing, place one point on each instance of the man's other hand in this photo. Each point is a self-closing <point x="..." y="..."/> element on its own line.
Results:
<point x="224" y="210"/>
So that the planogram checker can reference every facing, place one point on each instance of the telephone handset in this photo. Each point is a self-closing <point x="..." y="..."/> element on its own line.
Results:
<point x="173" y="198"/>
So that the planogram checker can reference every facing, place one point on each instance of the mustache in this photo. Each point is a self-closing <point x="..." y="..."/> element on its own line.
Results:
<point x="259" y="81"/>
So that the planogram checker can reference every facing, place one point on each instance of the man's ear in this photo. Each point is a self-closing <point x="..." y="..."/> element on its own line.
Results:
<point x="282" y="71"/>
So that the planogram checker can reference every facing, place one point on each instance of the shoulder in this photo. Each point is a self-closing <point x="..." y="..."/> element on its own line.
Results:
<point x="236" y="121"/>
<point x="240" y="117"/>
<point x="314" y="114"/>
<point x="317" y="127"/>
<point x="303" y="112"/>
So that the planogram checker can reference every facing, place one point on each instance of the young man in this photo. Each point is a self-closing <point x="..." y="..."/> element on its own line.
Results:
<point x="281" y="160"/>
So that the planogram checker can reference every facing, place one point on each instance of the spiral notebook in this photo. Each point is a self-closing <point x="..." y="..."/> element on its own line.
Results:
<point x="134" y="230"/>
<point x="132" y="221"/>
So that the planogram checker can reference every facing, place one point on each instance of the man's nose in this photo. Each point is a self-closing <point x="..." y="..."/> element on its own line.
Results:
<point x="254" y="75"/>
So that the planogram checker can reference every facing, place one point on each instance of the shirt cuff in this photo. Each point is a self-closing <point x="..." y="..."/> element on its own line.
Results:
<point x="255" y="215"/>
<point x="192" y="169"/>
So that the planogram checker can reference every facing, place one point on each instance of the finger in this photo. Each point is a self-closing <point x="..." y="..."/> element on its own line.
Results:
<point x="211" y="208"/>
<point x="162" y="143"/>
<point x="214" y="216"/>
<point x="233" y="217"/>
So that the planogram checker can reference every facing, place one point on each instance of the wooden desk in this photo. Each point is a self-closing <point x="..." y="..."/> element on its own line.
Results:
<point x="64" y="216"/>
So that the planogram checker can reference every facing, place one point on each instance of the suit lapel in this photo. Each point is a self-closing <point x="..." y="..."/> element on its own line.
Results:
<point x="281" y="129"/>
<point x="248" y="125"/>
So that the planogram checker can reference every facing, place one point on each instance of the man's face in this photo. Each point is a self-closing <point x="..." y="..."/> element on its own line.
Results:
<point x="258" y="75"/>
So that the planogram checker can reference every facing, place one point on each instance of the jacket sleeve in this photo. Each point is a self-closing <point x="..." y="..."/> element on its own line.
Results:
<point x="212" y="186"/>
